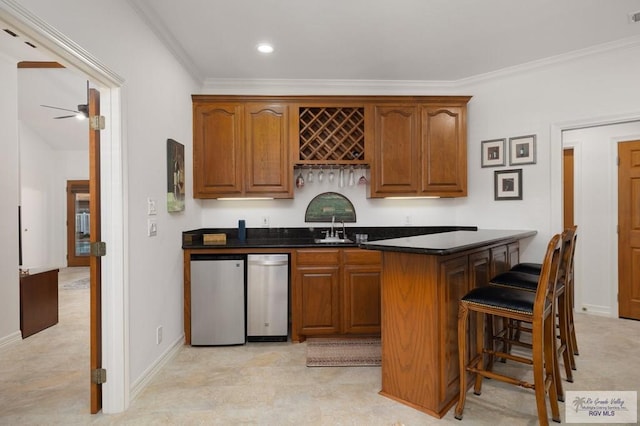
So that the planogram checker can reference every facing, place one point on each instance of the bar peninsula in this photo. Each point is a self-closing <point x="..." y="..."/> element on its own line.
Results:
<point x="423" y="278"/>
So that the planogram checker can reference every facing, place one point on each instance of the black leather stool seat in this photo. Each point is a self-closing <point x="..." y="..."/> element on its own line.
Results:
<point x="529" y="268"/>
<point x="516" y="279"/>
<point x="502" y="297"/>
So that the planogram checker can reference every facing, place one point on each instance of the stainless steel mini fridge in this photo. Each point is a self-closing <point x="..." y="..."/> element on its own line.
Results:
<point x="267" y="297"/>
<point x="217" y="300"/>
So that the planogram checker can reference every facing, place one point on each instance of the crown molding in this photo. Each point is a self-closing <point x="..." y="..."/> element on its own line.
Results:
<point x="56" y="43"/>
<point x="326" y="87"/>
<point x="153" y="21"/>
<point x="550" y="61"/>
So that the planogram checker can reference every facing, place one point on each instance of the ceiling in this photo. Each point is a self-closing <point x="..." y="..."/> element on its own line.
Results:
<point x="433" y="40"/>
<point x="58" y="87"/>
<point x="415" y="40"/>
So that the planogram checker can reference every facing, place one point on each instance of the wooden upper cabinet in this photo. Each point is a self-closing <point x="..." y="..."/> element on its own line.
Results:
<point x="267" y="161"/>
<point x="247" y="146"/>
<point x="217" y="149"/>
<point x="444" y="151"/>
<point x="396" y="150"/>
<point x="420" y="148"/>
<point x="241" y="150"/>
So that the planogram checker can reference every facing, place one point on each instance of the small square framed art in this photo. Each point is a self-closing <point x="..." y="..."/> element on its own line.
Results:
<point x="493" y="154"/>
<point x="508" y="184"/>
<point x="522" y="150"/>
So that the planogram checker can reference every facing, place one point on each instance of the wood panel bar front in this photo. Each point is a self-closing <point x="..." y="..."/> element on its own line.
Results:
<point x="410" y="364"/>
<point x="423" y="279"/>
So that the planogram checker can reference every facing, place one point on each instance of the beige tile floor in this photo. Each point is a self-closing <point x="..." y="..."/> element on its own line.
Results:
<point x="43" y="381"/>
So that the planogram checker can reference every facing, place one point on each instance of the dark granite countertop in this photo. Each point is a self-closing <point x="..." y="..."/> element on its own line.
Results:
<point x="447" y="242"/>
<point x="303" y="237"/>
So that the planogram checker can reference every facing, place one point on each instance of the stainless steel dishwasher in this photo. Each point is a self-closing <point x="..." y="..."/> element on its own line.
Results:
<point x="267" y="297"/>
<point x="217" y="300"/>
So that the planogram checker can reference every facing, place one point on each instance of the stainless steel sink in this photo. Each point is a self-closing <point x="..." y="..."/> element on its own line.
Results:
<point x="332" y="240"/>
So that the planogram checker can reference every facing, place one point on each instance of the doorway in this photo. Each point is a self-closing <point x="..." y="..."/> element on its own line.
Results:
<point x="594" y="147"/>
<point x="78" y="223"/>
<point x="61" y="48"/>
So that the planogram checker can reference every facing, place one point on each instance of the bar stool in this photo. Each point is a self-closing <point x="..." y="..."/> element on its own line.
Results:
<point x="520" y="305"/>
<point x="534" y="269"/>
<point x="522" y="276"/>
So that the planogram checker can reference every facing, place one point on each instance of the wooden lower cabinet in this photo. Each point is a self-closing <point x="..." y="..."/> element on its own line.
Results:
<point x="335" y="292"/>
<point x="361" y="299"/>
<point x="320" y="299"/>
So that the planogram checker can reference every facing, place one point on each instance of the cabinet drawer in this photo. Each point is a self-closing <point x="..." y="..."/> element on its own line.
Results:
<point x="361" y="257"/>
<point x="317" y="257"/>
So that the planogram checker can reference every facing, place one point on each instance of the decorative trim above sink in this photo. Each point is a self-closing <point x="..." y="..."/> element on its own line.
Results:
<point x="330" y="206"/>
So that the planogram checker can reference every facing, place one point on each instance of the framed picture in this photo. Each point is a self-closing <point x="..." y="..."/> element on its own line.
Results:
<point x="175" y="176"/>
<point x="522" y="150"/>
<point x="508" y="184"/>
<point x="493" y="153"/>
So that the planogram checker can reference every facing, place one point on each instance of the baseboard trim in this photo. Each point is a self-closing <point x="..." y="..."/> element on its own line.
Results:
<point x="603" y="311"/>
<point x="10" y="339"/>
<point x="151" y="372"/>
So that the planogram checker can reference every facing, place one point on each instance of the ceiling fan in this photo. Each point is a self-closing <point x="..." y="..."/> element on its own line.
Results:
<point x="81" y="113"/>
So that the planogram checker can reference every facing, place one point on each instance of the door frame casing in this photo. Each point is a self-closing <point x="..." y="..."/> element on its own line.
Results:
<point x="115" y="320"/>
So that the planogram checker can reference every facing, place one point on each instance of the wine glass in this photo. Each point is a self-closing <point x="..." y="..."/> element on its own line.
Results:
<point x="331" y="175"/>
<point x="363" y="178"/>
<point x="320" y="175"/>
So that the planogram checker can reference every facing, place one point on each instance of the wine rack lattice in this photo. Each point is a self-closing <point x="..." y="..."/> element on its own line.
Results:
<point x="331" y="134"/>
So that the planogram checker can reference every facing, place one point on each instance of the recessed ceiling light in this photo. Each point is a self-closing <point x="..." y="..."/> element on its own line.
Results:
<point x="265" y="48"/>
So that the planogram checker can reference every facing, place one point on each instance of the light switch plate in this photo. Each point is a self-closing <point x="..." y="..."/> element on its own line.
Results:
<point x="152" y="228"/>
<point x="151" y="207"/>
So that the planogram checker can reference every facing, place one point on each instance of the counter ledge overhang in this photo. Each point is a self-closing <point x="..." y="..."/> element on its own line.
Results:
<point x="446" y="243"/>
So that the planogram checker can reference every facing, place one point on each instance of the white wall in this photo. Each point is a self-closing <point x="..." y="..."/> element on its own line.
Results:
<point x="156" y="106"/>
<point x="290" y="213"/>
<point x="44" y="172"/>
<point x="9" y="275"/>
<point x="37" y="199"/>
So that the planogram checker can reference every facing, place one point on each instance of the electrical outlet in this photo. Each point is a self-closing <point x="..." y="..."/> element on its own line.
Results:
<point x="408" y="220"/>
<point x="151" y="207"/>
<point x="158" y="335"/>
<point x="152" y="228"/>
<point x="265" y="221"/>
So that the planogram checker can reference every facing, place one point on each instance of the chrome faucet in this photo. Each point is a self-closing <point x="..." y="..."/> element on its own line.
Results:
<point x="333" y="221"/>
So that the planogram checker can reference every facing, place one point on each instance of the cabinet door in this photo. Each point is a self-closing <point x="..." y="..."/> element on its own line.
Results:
<point x="361" y="299"/>
<point x="452" y="286"/>
<point x="319" y="300"/>
<point x="217" y="150"/>
<point x="444" y="151"/>
<point x="499" y="260"/>
<point x="513" y="253"/>
<point x="479" y="269"/>
<point x="396" y="162"/>
<point x="479" y="276"/>
<point x="268" y="170"/>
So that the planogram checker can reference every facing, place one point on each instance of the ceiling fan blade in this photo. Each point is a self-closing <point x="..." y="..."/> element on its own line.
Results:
<point x="63" y="109"/>
<point x="63" y="116"/>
